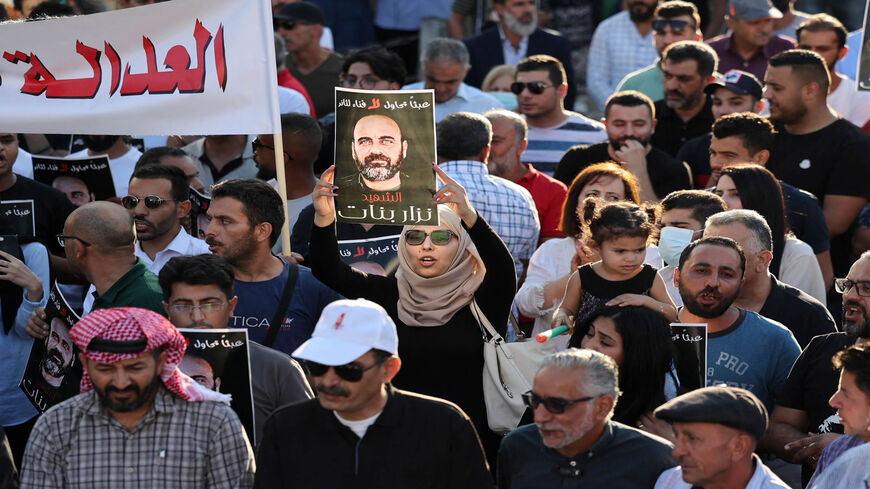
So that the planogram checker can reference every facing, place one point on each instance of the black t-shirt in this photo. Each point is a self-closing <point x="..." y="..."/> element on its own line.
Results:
<point x="832" y="160"/>
<point x="50" y="209"/>
<point x="301" y="232"/>
<point x="696" y="152"/>
<point x="803" y="315"/>
<point x="805" y="217"/>
<point x="671" y="132"/>
<point x="666" y="173"/>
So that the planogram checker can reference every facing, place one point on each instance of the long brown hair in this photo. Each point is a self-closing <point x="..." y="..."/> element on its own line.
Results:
<point x="570" y="224"/>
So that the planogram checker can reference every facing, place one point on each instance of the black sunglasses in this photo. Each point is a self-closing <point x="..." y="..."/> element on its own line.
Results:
<point x="536" y="87"/>
<point x="677" y="26"/>
<point x="61" y="240"/>
<point x="151" y="201"/>
<point x="552" y="404"/>
<point x="350" y="372"/>
<point x="440" y="237"/>
<point x="288" y="24"/>
<point x="256" y="144"/>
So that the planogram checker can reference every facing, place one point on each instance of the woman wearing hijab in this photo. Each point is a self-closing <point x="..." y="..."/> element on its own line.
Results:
<point x="441" y="270"/>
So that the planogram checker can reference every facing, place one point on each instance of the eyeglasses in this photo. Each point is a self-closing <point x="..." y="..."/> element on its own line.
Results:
<point x="350" y="372"/>
<point x="551" y="404"/>
<point x="256" y="144"/>
<point x="440" y="237"/>
<point x="843" y="285"/>
<point x="207" y="308"/>
<point x="61" y="240"/>
<point x="151" y="201"/>
<point x="677" y="26"/>
<point x="536" y="87"/>
<point x="366" y="82"/>
<point x="288" y="24"/>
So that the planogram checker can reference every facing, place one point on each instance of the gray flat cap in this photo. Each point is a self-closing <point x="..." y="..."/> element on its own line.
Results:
<point x="729" y="406"/>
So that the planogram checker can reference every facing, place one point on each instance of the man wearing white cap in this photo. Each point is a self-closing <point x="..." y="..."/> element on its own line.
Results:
<point x="360" y="431"/>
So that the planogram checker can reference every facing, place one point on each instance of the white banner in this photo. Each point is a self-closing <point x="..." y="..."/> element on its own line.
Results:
<point x="187" y="67"/>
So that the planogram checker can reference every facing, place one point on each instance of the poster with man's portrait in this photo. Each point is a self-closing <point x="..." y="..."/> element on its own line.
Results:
<point x="53" y="372"/>
<point x="82" y="180"/>
<point x="218" y="360"/>
<point x="384" y="150"/>
<point x="198" y="216"/>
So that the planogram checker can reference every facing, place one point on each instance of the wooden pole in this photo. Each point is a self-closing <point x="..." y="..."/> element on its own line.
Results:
<point x="282" y="189"/>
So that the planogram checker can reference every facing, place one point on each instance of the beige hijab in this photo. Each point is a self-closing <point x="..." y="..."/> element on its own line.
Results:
<point x="433" y="301"/>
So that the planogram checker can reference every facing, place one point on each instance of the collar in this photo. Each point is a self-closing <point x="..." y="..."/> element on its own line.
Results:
<point x="464" y="166"/>
<point x="462" y="93"/>
<point x="524" y="42"/>
<point x="390" y="416"/>
<point x="128" y="278"/>
<point x="530" y="175"/>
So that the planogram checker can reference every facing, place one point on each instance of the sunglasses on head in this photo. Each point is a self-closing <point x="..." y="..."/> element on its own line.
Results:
<point x="288" y="24"/>
<point x="677" y="26"/>
<point x="552" y="404"/>
<point x="536" y="87"/>
<point x="440" y="237"/>
<point x="151" y="202"/>
<point x="350" y="372"/>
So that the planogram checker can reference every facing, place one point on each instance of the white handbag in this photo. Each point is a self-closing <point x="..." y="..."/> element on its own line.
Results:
<point x="508" y="372"/>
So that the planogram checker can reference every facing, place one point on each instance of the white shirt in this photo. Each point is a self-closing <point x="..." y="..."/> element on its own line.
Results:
<point x="853" y="105"/>
<point x="23" y="164"/>
<point x="290" y="100"/>
<point x="512" y="56"/>
<point x="762" y="478"/>
<point x="359" y="427"/>
<point x="467" y="99"/>
<point x="121" y="167"/>
<point x="800" y="269"/>
<point x="849" y="470"/>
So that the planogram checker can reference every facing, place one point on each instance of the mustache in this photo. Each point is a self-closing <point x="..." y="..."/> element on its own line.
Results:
<point x="854" y="303"/>
<point x="143" y="221"/>
<point x="675" y="92"/>
<point x="55" y="356"/>
<point x="377" y="156"/>
<point x="333" y="391"/>
<point x="712" y="291"/>
<point x="131" y="388"/>
<point x="212" y="242"/>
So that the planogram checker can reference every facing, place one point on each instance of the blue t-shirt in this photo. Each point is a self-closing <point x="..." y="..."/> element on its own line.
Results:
<point x="754" y="353"/>
<point x="258" y="300"/>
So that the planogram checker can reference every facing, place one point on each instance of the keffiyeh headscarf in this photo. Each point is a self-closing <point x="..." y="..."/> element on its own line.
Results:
<point x="117" y="334"/>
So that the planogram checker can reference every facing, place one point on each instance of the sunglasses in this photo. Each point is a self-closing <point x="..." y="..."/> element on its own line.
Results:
<point x="551" y="404"/>
<point x="256" y="145"/>
<point x="366" y="83"/>
<point x="350" y="372"/>
<point x="151" y="201"/>
<point x="536" y="87"/>
<point x="288" y="24"/>
<point x="677" y="26"/>
<point x="440" y="237"/>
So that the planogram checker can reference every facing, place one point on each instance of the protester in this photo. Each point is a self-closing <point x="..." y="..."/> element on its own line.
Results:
<point x="555" y="260"/>
<point x="165" y="155"/>
<point x="222" y="157"/>
<point x="541" y="87"/>
<point x="743" y="348"/>
<point x="574" y="441"/>
<point x="761" y="292"/>
<point x="717" y="429"/>
<point x="639" y="341"/>
<point x="198" y="293"/>
<point x="793" y="262"/>
<point x="292" y="96"/>
<point x="791" y="18"/>
<point x="130" y="359"/>
<point x="498" y="84"/>
<point x="122" y="157"/>
<point x="246" y="218"/>
<point x="430" y="296"/>
<point x="630" y="121"/>
<point x="619" y="233"/>
<point x="361" y="431"/>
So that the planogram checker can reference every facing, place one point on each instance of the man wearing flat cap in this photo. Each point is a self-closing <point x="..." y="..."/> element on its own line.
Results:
<point x="717" y="429"/>
<point x="139" y="421"/>
<point x="360" y="431"/>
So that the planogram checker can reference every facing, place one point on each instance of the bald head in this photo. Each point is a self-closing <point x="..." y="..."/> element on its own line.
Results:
<point x="105" y="225"/>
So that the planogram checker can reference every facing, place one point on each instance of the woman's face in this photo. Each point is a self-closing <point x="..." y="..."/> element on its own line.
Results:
<point x="430" y="260"/>
<point x="607" y="188"/>
<point x="502" y="84"/>
<point x="726" y="189"/>
<point x="603" y="338"/>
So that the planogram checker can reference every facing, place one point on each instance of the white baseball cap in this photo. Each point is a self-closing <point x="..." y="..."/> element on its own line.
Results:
<point x="346" y="330"/>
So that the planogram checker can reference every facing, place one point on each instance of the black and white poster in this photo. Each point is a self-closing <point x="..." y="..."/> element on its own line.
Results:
<point x="19" y="215"/>
<point x="82" y="179"/>
<point x="690" y="340"/>
<point x="199" y="204"/>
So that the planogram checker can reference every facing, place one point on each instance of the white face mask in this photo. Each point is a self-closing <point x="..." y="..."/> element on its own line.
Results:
<point x="672" y="242"/>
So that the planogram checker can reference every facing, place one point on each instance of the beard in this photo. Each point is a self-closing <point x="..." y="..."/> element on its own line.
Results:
<point x="692" y="304"/>
<point x="518" y="26"/>
<point x="686" y="102"/>
<point x="790" y="115"/>
<point x="641" y="12"/>
<point x="618" y="143"/>
<point x="856" y="329"/>
<point x="379" y="173"/>
<point x="266" y="174"/>
<point x="143" y="396"/>
<point x="98" y="144"/>
<point x="54" y="365"/>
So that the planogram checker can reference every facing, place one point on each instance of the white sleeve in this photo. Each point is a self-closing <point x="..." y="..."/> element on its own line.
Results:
<point x="799" y="268"/>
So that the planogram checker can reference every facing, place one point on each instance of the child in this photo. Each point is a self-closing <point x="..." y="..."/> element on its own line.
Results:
<point x="618" y="232"/>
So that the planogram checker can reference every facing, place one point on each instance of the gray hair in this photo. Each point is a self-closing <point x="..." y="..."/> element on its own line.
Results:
<point x="520" y="125"/>
<point x="462" y="136"/>
<point x="445" y="49"/>
<point x="600" y="372"/>
<point x="753" y="221"/>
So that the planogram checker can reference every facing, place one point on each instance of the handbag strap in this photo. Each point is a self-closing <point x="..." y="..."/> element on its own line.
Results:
<point x="283" y="304"/>
<point x="485" y="326"/>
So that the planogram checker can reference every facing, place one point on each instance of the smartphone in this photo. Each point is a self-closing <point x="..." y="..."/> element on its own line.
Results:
<point x="9" y="244"/>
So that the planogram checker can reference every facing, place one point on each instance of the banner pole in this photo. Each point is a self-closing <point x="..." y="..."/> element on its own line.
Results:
<point x="282" y="190"/>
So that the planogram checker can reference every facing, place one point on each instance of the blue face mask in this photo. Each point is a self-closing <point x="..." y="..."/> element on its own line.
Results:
<point x="672" y="242"/>
<point x="507" y="99"/>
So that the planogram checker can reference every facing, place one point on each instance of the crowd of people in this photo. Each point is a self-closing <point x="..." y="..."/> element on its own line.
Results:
<point x="608" y="169"/>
